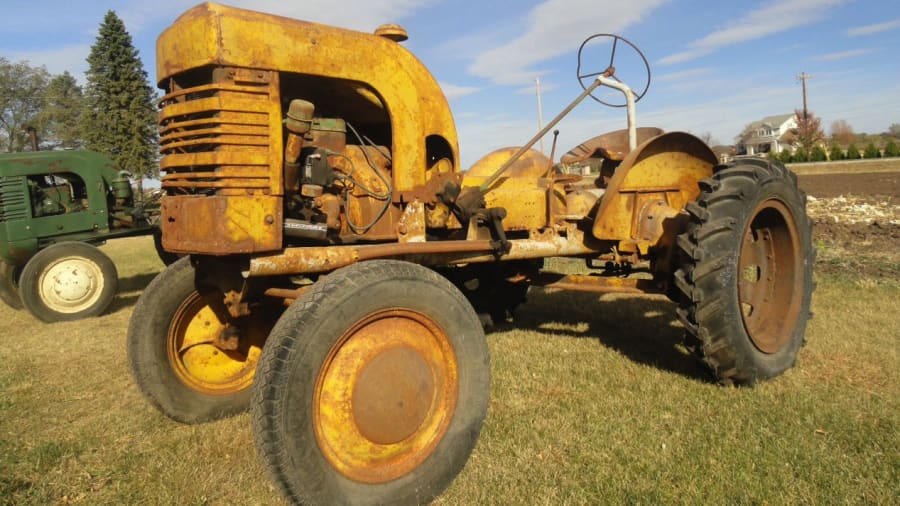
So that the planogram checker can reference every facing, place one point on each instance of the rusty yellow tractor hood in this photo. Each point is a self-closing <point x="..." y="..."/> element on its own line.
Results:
<point x="389" y="76"/>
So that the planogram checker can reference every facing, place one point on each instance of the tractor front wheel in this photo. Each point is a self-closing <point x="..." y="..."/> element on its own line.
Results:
<point x="68" y="281"/>
<point x="176" y="351"/>
<point x="372" y="388"/>
<point x="746" y="277"/>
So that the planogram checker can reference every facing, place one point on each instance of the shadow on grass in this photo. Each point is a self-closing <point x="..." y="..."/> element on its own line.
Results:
<point x="127" y="286"/>
<point x="644" y="329"/>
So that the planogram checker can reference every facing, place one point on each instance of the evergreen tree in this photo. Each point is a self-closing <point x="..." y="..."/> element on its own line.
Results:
<point x="785" y="156"/>
<point x="871" y="151"/>
<point x="22" y="89"/>
<point x="818" y="154"/>
<point x="891" y="149"/>
<point x="119" y="119"/>
<point x="852" y="152"/>
<point x="800" y="155"/>
<point x="836" y="153"/>
<point x="63" y="103"/>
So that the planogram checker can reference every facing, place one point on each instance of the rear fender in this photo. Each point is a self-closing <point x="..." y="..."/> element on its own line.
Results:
<point x="650" y="188"/>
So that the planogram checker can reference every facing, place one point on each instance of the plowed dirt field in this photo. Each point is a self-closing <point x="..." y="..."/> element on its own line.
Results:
<point x="856" y="222"/>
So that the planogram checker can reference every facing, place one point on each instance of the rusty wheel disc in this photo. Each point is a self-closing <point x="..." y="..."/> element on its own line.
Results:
<point x="198" y="362"/>
<point x="770" y="276"/>
<point x="385" y="396"/>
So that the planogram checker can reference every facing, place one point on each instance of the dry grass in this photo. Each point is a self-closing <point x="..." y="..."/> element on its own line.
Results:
<point x="594" y="400"/>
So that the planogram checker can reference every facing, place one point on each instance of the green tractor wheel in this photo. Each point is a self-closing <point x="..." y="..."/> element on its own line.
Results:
<point x="68" y="281"/>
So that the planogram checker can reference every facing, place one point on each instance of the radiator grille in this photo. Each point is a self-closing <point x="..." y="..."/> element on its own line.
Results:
<point x="217" y="139"/>
<point x="13" y="201"/>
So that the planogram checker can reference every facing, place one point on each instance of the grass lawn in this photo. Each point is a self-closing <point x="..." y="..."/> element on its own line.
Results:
<point x="594" y="400"/>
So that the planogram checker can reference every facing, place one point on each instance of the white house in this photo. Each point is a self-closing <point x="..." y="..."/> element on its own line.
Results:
<point x="767" y="135"/>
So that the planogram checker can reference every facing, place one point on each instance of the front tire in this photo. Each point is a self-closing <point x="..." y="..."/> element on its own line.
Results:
<point x="173" y="352"/>
<point x="373" y="388"/>
<point x="746" y="275"/>
<point x="68" y="281"/>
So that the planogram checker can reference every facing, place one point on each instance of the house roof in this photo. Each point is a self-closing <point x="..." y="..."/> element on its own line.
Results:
<point x="777" y="120"/>
<point x="771" y="121"/>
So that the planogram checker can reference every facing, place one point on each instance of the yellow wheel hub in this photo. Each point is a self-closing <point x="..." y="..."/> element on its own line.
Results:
<point x="385" y="396"/>
<point x="196" y="359"/>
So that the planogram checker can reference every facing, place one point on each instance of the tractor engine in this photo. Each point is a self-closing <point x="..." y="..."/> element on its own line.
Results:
<point x="333" y="191"/>
<point x="298" y="135"/>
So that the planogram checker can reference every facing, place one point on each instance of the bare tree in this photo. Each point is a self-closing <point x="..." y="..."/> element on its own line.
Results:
<point x="707" y="137"/>
<point x="894" y="130"/>
<point x="809" y="131"/>
<point x="842" y="132"/>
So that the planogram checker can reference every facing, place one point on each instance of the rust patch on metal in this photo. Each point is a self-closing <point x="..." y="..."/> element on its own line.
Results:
<point x="385" y="396"/>
<point x="768" y="276"/>
<point x="411" y="227"/>
<point x="596" y="284"/>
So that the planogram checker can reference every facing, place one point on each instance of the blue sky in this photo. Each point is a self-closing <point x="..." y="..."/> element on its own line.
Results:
<point x="716" y="65"/>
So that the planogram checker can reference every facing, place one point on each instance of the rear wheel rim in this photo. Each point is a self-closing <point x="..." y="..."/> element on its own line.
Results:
<point x="385" y="396"/>
<point x="196" y="359"/>
<point x="770" y="276"/>
<point x="71" y="284"/>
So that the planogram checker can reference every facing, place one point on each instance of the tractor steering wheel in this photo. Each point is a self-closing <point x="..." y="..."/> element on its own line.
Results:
<point x="588" y="78"/>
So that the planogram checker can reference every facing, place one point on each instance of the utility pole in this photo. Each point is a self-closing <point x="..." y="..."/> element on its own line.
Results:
<point x="537" y="89"/>
<point x="803" y="77"/>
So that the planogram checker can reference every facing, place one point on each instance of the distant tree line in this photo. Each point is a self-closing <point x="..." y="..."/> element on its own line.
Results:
<point x="113" y="113"/>
<point x="812" y="145"/>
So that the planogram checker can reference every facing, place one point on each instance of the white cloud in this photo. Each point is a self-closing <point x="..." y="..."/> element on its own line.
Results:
<point x="363" y="16"/>
<point x="775" y="17"/>
<point x="843" y="55"/>
<point x="684" y="75"/>
<point x="57" y="60"/>
<point x="512" y="63"/>
<point x="452" y="91"/>
<point x="141" y="16"/>
<point x="872" y="29"/>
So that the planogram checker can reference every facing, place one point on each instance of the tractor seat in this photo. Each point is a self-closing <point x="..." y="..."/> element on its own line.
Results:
<point x="612" y="146"/>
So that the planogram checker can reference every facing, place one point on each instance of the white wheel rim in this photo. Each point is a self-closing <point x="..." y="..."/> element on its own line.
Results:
<point x="71" y="284"/>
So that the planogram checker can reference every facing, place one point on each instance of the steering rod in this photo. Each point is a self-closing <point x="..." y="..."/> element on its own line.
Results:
<point x="602" y="80"/>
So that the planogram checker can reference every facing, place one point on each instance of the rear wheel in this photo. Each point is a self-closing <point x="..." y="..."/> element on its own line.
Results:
<point x="372" y="388"/>
<point x="68" y="281"/>
<point x="746" y="277"/>
<point x="9" y="285"/>
<point x="182" y="351"/>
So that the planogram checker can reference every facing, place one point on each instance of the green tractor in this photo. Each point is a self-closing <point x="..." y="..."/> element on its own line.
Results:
<point x="55" y="207"/>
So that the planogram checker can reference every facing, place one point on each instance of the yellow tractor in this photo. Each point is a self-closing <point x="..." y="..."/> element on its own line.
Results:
<point x="338" y="260"/>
